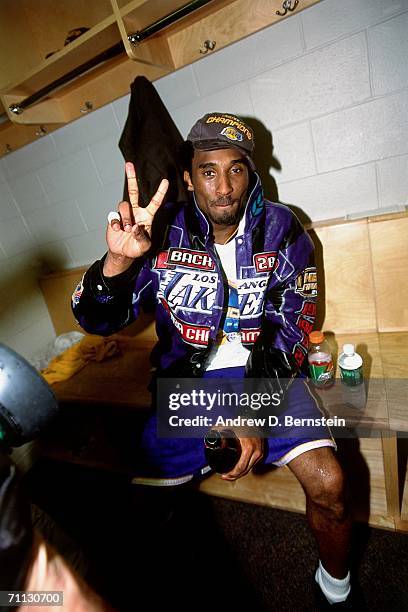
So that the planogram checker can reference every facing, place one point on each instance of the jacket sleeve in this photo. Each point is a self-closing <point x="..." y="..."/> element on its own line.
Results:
<point x="104" y="305"/>
<point x="291" y="300"/>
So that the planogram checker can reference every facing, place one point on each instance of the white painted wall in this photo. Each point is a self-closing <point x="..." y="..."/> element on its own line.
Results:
<point x="330" y="84"/>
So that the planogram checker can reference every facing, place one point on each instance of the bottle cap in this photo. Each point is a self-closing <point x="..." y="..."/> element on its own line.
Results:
<point x="348" y="349"/>
<point x="316" y="337"/>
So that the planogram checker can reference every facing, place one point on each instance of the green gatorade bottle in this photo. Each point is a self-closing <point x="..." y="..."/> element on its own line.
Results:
<point x="320" y="360"/>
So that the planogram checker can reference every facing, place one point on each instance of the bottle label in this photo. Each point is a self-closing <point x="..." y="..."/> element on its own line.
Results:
<point x="352" y="377"/>
<point x="321" y="372"/>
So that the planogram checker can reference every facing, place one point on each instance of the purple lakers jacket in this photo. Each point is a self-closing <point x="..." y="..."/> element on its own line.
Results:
<point x="185" y="285"/>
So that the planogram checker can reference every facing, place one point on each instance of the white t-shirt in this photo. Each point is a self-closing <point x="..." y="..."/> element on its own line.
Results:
<point x="228" y="351"/>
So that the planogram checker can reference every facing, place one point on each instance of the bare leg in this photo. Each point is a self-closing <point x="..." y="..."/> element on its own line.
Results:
<point x="322" y="479"/>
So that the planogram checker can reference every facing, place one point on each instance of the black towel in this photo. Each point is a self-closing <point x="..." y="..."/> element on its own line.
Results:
<point x="151" y="140"/>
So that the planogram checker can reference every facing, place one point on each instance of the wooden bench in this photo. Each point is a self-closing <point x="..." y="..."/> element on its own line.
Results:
<point x="363" y="300"/>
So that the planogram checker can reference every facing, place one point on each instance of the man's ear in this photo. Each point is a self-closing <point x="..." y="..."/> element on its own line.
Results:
<point x="187" y="180"/>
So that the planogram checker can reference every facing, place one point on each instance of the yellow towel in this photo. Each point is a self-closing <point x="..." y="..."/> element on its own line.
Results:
<point x="90" y="348"/>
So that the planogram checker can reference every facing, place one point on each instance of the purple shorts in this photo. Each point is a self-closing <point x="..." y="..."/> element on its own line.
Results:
<point x="170" y="461"/>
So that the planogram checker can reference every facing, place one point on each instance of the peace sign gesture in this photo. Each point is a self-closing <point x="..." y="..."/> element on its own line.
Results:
<point x="129" y="231"/>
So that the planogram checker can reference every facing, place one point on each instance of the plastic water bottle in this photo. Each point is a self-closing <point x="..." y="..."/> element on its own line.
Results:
<point x="320" y="360"/>
<point x="222" y="449"/>
<point x="351" y="366"/>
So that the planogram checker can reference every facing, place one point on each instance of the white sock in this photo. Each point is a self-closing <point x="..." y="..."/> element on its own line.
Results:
<point x="334" y="589"/>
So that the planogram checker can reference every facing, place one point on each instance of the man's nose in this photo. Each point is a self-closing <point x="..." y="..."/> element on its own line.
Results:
<point x="224" y="186"/>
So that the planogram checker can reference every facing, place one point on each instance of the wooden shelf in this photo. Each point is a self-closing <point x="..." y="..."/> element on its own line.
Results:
<point x="137" y="15"/>
<point x="101" y="385"/>
<point x="142" y="13"/>
<point x="13" y="136"/>
<point x="101" y="85"/>
<point x="77" y="52"/>
<point x="29" y="72"/>
<point x="225" y="23"/>
<point x="30" y="30"/>
<point x="84" y="48"/>
<point x="389" y="252"/>
<point x="278" y="488"/>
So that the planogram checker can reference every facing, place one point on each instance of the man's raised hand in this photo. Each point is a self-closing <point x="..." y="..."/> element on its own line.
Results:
<point x="129" y="231"/>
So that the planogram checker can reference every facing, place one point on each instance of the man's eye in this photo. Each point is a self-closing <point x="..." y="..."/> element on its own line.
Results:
<point x="236" y="170"/>
<point x="208" y="173"/>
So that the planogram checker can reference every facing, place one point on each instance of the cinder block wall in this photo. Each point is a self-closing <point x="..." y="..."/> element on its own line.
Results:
<point x="330" y="84"/>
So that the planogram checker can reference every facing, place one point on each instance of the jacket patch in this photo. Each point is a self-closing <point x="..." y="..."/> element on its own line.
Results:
<point x="161" y="261"/>
<point x="304" y="325"/>
<point x="306" y="283"/>
<point x="76" y="296"/>
<point x="190" y="259"/>
<point x="248" y="336"/>
<point x="185" y="258"/>
<point x="266" y="262"/>
<point x="196" y="335"/>
<point x="306" y="317"/>
<point x="308" y="309"/>
<point x="299" y="354"/>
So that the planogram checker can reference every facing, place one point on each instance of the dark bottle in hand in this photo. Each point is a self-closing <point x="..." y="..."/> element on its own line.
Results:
<point x="222" y="449"/>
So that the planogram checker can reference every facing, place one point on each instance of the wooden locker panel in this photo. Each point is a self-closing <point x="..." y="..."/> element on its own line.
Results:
<point x="389" y="247"/>
<point x="346" y="298"/>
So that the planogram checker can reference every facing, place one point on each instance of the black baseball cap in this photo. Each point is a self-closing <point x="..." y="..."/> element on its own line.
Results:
<point x="222" y="131"/>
